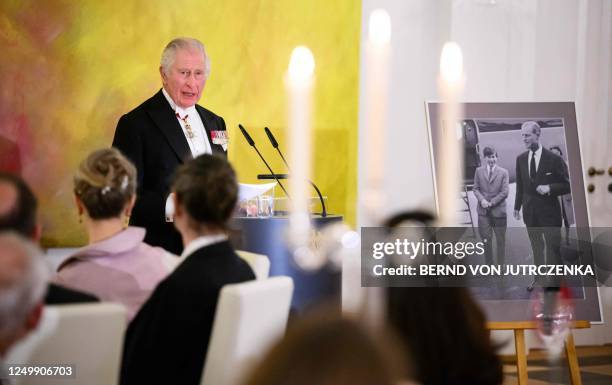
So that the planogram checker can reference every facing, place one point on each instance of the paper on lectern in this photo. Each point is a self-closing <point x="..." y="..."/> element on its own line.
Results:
<point x="250" y="191"/>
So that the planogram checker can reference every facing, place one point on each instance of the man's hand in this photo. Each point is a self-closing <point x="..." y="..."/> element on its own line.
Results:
<point x="543" y="189"/>
<point x="485" y="203"/>
<point x="517" y="215"/>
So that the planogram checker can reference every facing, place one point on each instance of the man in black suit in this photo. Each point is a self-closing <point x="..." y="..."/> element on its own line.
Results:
<point x="164" y="131"/>
<point x="541" y="177"/>
<point x="18" y="213"/>
<point x="167" y="341"/>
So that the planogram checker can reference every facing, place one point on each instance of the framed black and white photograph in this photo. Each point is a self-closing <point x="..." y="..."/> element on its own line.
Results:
<point x="522" y="190"/>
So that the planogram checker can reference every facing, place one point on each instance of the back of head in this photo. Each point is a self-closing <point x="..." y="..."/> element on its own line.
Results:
<point x="444" y="331"/>
<point x="206" y="188"/>
<point x="23" y="282"/>
<point x="17" y="206"/>
<point x="105" y="182"/>
<point x="326" y="350"/>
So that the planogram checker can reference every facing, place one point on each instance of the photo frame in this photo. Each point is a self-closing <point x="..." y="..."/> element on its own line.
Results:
<point x="498" y="126"/>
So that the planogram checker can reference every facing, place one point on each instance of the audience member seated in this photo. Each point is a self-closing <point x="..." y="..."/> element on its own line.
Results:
<point x="444" y="333"/>
<point x="167" y="341"/>
<point x="117" y="265"/>
<point x="23" y="281"/>
<point x="327" y="350"/>
<point x="18" y="213"/>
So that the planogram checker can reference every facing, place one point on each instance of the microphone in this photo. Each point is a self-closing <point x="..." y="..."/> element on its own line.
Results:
<point x="247" y="137"/>
<point x="271" y="137"/>
<point x="275" y="145"/>
<point x="251" y="143"/>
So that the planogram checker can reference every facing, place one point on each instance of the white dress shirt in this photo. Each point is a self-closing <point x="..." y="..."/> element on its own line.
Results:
<point x="490" y="170"/>
<point x="199" y="144"/>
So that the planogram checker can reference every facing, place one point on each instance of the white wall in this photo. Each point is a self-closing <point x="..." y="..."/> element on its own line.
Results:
<point x="514" y="50"/>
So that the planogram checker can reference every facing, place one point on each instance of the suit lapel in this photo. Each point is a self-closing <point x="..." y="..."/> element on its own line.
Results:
<point x="524" y="164"/>
<point x="543" y="165"/>
<point x="163" y="116"/>
<point x="208" y="124"/>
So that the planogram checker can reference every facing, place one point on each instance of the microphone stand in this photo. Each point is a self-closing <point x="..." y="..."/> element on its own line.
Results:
<point x="265" y="176"/>
<point x="286" y="176"/>
<point x="252" y="144"/>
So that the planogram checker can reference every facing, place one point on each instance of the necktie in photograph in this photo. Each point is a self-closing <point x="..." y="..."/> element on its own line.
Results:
<point x="532" y="167"/>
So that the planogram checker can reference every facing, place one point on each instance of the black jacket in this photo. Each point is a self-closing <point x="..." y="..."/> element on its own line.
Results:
<point x="152" y="138"/>
<point x="57" y="295"/>
<point x="167" y="341"/>
<point x="541" y="210"/>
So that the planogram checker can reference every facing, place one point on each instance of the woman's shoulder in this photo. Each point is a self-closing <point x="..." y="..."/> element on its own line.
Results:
<point x="169" y="260"/>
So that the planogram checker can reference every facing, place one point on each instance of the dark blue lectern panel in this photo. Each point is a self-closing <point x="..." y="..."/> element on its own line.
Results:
<point x="267" y="236"/>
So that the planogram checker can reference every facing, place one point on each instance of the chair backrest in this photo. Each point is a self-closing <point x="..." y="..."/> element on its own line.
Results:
<point x="258" y="262"/>
<point x="87" y="336"/>
<point x="250" y="317"/>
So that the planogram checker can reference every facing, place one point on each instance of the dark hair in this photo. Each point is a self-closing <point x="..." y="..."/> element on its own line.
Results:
<point x="325" y="350"/>
<point x="206" y="187"/>
<point x="22" y="216"/>
<point x="105" y="182"/>
<point x="558" y="148"/>
<point x="445" y="334"/>
<point x="488" y="151"/>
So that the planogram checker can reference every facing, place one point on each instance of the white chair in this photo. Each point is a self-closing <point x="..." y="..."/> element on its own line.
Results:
<point x="250" y="317"/>
<point x="258" y="262"/>
<point x="87" y="336"/>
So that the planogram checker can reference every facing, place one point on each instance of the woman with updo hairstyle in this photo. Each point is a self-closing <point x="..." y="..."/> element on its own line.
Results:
<point x="116" y="265"/>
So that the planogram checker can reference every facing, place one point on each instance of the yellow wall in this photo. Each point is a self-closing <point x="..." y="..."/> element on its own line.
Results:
<point x="70" y="69"/>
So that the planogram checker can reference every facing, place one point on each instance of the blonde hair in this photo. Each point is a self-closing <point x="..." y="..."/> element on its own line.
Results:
<point x="105" y="182"/>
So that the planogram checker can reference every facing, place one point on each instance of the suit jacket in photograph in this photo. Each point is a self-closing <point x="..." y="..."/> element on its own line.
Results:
<point x="167" y="341"/>
<point x="152" y="138"/>
<point x="494" y="190"/>
<point x="541" y="210"/>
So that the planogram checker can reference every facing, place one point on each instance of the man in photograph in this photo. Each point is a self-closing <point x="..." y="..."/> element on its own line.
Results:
<point x="491" y="191"/>
<point x="541" y="177"/>
<point x="164" y="131"/>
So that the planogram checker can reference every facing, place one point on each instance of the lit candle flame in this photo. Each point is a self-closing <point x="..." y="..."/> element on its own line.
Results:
<point x="380" y="27"/>
<point x="301" y="64"/>
<point x="451" y="63"/>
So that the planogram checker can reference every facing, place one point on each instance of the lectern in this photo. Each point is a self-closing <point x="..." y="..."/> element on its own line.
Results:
<point x="268" y="236"/>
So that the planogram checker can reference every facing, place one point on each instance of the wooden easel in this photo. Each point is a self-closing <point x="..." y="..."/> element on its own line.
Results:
<point x="519" y="328"/>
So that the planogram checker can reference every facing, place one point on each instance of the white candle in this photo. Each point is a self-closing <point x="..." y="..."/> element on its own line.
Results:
<point x="299" y="81"/>
<point x="378" y="52"/>
<point x="449" y="148"/>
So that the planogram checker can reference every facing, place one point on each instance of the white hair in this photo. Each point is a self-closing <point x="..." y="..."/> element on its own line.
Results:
<point x="189" y="43"/>
<point x="21" y="292"/>
<point x="533" y="126"/>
